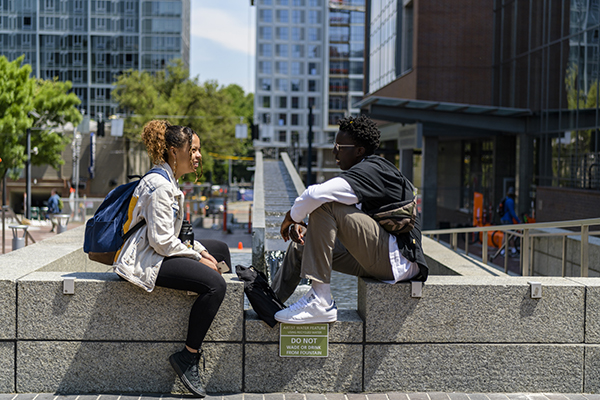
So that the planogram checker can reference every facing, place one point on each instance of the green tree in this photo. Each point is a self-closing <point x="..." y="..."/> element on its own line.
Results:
<point x="212" y="111"/>
<point x="21" y="96"/>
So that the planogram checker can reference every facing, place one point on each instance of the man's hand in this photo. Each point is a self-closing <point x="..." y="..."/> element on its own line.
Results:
<point x="297" y="232"/>
<point x="285" y="226"/>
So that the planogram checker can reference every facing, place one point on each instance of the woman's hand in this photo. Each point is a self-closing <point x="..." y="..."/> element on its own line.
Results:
<point x="297" y="233"/>
<point x="208" y="260"/>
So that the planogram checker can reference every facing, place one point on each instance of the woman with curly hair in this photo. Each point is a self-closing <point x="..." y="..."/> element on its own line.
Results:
<point x="155" y="256"/>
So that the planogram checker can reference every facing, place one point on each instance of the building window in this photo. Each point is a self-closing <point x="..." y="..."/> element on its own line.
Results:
<point x="265" y="16"/>
<point x="129" y="7"/>
<point x="312" y="85"/>
<point x="296" y="68"/>
<point x="314" y="3"/>
<point x="312" y="101"/>
<point x="314" y="17"/>
<point x="297" y="34"/>
<point x="282" y="136"/>
<point x="265" y="67"/>
<point x="282" y="101"/>
<point x="295" y="103"/>
<point x="26" y="22"/>
<point x="297" y="51"/>
<point x="129" y="25"/>
<point x="282" y="120"/>
<point x="281" y="85"/>
<point x="335" y="117"/>
<point x="265" y="50"/>
<point x="77" y="59"/>
<point x="266" y="102"/>
<point x="100" y="76"/>
<point x="266" y="2"/>
<point x="266" y="118"/>
<point x="282" y="33"/>
<point x="298" y="3"/>
<point x="265" y="33"/>
<point x="49" y="22"/>
<point x="314" y="51"/>
<point x="77" y="40"/>
<point x="78" y="6"/>
<point x="282" y="2"/>
<point x="283" y="16"/>
<point x="78" y="23"/>
<point x="281" y="50"/>
<point x="314" y="34"/>
<point x="295" y="120"/>
<point x="265" y="84"/>
<point x="100" y="24"/>
<point x="281" y="67"/>
<point x="297" y="16"/>
<point x="101" y="5"/>
<point x="25" y="40"/>
<point x="49" y="5"/>
<point x="312" y="68"/>
<point x="296" y="85"/>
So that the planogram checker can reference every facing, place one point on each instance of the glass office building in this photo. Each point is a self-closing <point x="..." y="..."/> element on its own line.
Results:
<point x="89" y="42"/>
<point x="309" y="53"/>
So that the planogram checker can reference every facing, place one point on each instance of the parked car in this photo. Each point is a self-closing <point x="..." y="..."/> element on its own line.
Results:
<point x="215" y="205"/>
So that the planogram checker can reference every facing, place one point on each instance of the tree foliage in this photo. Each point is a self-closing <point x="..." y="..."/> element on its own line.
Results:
<point x="20" y="96"/>
<point x="209" y="109"/>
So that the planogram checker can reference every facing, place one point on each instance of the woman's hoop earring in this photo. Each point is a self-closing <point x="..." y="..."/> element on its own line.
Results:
<point x="175" y="169"/>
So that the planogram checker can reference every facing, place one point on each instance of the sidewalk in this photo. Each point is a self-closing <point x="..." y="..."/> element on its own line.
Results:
<point x="313" y="396"/>
<point x="39" y="230"/>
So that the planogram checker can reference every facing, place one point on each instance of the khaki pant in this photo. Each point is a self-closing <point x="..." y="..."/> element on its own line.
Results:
<point x="339" y="237"/>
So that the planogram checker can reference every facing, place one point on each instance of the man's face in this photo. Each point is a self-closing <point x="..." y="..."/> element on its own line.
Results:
<point x="346" y="152"/>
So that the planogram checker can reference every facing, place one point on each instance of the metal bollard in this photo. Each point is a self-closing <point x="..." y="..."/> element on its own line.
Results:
<point x="61" y="222"/>
<point x="18" y="242"/>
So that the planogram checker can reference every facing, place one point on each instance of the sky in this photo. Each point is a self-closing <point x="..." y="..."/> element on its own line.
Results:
<point x="222" y="42"/>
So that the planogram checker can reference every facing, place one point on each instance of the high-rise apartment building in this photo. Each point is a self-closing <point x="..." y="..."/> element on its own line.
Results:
<point x="89" y="42"/>
<point x="309" y="53"/>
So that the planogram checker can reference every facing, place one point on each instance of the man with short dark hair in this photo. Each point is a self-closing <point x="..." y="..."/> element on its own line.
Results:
<point x="340" y="235"/>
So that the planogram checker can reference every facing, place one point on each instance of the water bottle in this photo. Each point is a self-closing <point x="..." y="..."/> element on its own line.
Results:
<point x="186" y="235"/>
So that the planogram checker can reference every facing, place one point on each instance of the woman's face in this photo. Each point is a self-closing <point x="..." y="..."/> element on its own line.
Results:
<point x="185" y="164"/>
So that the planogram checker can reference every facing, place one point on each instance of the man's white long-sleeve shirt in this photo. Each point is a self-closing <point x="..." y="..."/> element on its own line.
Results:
<point x="339" y="190"/>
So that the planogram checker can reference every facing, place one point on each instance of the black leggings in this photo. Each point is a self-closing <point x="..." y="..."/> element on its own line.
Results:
<point x="183" y="273"/>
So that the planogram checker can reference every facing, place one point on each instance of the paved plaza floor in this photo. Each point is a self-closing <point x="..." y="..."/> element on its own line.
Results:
<point x="313" y="396"/>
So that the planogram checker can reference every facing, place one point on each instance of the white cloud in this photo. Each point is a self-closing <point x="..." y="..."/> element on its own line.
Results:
<point x="229" y="28"/>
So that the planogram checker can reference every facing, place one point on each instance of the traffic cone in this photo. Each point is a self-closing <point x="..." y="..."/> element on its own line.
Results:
<point x="240" y="246"/>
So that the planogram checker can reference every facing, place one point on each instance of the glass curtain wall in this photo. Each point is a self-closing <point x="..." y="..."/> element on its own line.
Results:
<point x="547" y="59"/>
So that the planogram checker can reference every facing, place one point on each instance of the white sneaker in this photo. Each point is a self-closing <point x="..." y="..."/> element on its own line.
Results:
<point x="308" y="310"/>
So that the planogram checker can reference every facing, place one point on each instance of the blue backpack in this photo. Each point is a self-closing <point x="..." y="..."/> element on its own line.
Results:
<point x="104" y="234"/>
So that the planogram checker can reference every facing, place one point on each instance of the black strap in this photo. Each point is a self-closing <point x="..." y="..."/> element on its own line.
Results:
<point x="133" y="230"/>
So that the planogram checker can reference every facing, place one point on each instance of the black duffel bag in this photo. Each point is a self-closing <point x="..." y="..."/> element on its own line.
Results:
<point x="263" y="299"/>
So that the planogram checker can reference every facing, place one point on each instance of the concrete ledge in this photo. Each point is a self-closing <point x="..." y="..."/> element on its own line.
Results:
<point x="473" y="310"/>
<point x="592" y="308"/>
<point x="475" y="368"/>
<point x="443" y="261"/>
<point x="104" y="307"/>
<point x="348" y="328"/>
<point x="8" y="309"/>
<point x="113" y="367"/>
<point x="7" y="367"/>
<point x="266" y="372"/>
<point x="592" y="369"/>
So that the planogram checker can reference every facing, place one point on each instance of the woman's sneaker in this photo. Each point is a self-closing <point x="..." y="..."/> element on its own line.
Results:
<point x="310" y="309"/>
<point x="185" y="365"/>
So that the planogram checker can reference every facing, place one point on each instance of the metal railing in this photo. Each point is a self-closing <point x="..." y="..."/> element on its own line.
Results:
<point x="526" y="232"/>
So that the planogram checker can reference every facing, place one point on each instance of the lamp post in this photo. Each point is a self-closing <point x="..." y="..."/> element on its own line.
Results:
<point x="309" y="155"/>
<point x="28" y="177"/>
